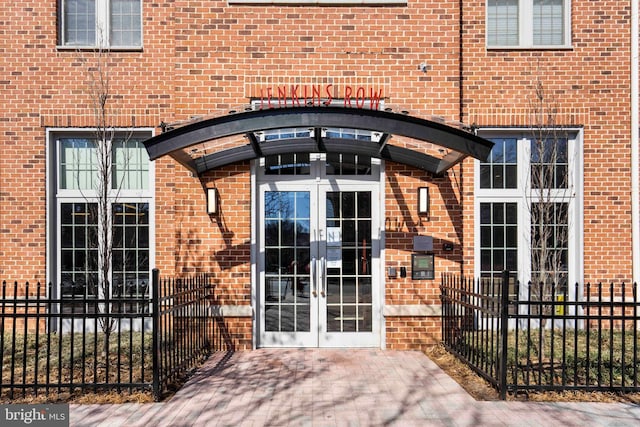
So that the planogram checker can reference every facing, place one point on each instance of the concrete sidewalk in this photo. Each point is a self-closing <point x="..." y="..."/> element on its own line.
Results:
<point x="318" y="387"/>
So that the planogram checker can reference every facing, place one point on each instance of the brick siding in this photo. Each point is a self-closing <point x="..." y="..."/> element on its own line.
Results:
<point x="203" y="57"/>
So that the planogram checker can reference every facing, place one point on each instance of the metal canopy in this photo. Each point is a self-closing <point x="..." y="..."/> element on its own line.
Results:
<point x="455" y="143"/>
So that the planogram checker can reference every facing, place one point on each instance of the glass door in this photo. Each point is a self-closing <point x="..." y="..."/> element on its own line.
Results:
<point x="288" y="302"/>
<point x="349" y="249"/>
<point x="319" y="254"/>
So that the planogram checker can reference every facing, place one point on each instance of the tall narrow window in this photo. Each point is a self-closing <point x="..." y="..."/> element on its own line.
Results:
<point x="528" y="195"/>
<point x="82" y="228"/>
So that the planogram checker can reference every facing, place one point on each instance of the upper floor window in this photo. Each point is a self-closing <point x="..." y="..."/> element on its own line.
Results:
<point x="103" y="23"/>
<point x="528" y="23"/>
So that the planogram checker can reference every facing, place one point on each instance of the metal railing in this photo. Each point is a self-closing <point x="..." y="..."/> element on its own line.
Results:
<point x="86" y="344"/>
<point x="184" y="328"/>
<point x="524" y="340"/>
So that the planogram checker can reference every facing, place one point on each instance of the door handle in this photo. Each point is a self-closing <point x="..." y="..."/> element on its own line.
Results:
<point x="323" y="276"/>
<point x="314" y="279"/>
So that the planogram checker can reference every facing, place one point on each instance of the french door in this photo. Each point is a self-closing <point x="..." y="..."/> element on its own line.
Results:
<point x="318" y="263"/>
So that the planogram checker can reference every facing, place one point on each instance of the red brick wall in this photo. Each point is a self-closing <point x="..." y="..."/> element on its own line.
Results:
<point x="402" y="223"/>
<point x="45" y="87"/>
<point x="197" y="59"/>
<point x="199" y="242"/>
<point x="407" y="333"/>
<point x="589" y="86"/>
<point x="233" y="333"/>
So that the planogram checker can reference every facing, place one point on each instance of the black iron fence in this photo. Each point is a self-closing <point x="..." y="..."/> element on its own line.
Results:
<point x="78" y="344"/>
<point x="185" y="328"/>
<point x="542" y="338"/>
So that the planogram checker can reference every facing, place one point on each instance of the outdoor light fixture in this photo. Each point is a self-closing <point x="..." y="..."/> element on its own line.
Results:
<point x="212" y="201"/>
<point x="423" y="200"/>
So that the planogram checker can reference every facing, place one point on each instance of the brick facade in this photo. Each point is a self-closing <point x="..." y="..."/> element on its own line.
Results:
<point x="203" y="57"/>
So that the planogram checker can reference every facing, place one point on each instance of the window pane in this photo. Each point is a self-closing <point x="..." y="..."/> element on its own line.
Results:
<point x="348" y="164"/>
<point x="549" y="239"/>
<point x="364" y="204"/>
<point x="498" y="237"/>
<point x="287" y="164"/>
<point x="130" y="261"/>
<point x="485" y="237"/>
<point x="498" y="177"/>
<point x="501" y="169"/>
<point x="126" y="23"/>
<point x="549" y="163"/>
<point x="502" y="23"/>
<point x="510" y="176"/>
<point x="130" y="165"/>
<point x="78" y="164"/>
<point x="79" y="21"/>
<point x="548" y="22"/>
<point x="485" y="175"/>
<point x="79" y="259"/>
<point x="485" y="213"/>
<point x="498" y="241"/>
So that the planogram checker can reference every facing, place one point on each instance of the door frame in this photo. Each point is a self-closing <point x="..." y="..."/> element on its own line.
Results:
<point x="353" y="339"/>
<point x="375" y="183"/>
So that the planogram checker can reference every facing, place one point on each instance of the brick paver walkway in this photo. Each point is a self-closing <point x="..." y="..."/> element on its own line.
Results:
<point x="316" y="387"/>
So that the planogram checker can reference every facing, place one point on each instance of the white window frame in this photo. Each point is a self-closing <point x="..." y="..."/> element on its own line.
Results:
<point x="522" y="195"/>
<point x="102" y="28"/>
<point x="56" y="196"/>
<point x="525" y="28"/>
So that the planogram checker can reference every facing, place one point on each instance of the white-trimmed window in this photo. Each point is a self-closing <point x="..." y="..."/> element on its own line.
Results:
<point x="528" y="23"/>
<point x="103" y="23"/>
<point x="75" y="220"/>
<point x="529" y="207"/>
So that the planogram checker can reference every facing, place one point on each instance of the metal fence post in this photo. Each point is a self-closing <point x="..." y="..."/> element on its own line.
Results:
<point x="155" y="344"/>
<point x="504" y="333"/>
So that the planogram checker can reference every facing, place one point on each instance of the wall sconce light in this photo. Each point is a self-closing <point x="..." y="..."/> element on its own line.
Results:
<point x="212" y="201"/>
<point x="423" y="200"/>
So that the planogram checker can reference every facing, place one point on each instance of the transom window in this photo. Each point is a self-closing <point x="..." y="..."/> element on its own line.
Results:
<point x="287" y="164"/>
<point x="549" y="163"/>
<point x="106" y="23"/>
<point x="501" y="169"/>
<point x="79" y="164"/>
<point x="528" y="23"/>
<point x="300" y="163"/>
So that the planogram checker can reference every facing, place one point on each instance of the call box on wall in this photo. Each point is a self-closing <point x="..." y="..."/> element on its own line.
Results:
<point x="422" y="266"/>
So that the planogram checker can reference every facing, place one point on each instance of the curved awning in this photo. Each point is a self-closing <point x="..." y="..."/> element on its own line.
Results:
<point x="204" y="145"/>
